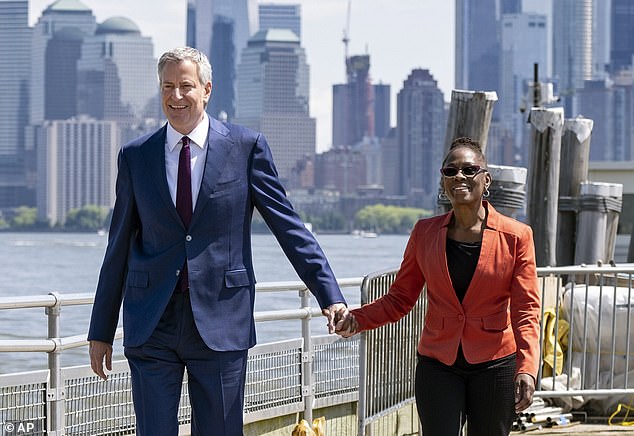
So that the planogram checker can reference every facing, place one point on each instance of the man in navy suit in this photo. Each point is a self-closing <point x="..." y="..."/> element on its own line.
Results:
<point x="180" y="261"/>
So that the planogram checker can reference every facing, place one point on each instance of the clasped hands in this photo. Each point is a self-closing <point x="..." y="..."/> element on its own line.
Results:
<point x="340" y="320"/>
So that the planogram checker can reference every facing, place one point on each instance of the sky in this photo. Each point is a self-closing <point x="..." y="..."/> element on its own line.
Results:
<point x="399" y="36"/>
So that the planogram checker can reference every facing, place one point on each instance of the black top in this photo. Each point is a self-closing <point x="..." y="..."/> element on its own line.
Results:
<point x="462" y="259"/>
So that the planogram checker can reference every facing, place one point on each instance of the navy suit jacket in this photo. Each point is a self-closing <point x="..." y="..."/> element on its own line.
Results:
<point x="148" y="243"/>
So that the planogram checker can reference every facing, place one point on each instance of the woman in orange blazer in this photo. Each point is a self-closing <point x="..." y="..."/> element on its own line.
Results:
<point x="479" y="349"/>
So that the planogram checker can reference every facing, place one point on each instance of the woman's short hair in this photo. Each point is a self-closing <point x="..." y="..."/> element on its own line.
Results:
<point x="466" y="142"/>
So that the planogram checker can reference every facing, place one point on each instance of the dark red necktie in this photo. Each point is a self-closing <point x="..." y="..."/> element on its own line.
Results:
<point x="184" y="198"/>
<point x="184" y="185"/>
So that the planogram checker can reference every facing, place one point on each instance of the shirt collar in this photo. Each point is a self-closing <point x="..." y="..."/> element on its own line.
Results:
<point x="197" y="136"/>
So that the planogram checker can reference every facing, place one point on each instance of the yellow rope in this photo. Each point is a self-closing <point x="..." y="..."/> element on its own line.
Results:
<point x="628" y="409"/>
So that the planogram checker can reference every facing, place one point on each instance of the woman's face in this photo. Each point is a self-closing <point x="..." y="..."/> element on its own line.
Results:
<point x="464" y="188"/>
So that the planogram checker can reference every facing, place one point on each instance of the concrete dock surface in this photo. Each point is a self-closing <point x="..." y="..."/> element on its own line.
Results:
<point x="577" y="428"/>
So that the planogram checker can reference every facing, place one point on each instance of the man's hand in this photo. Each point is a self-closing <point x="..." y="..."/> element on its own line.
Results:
<point x="348" y="326"/>
<point x="335" y="314"/>
<point x="98" y="350"/>
<point x="524" y="389"/>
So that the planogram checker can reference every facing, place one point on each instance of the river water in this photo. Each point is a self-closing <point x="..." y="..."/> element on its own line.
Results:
<point x="38" y="263"/>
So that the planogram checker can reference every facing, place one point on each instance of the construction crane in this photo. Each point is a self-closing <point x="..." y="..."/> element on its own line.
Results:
<point x="346" y="37"/>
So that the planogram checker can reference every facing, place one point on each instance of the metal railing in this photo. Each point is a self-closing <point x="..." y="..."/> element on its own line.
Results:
<point x="586" y="347"/>
<point x="387" y="358"/>
<point x="586" y="339"/>
<point x="282" y="377"/>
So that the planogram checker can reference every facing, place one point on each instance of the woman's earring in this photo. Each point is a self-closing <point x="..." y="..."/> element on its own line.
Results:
<point x="442" y="196"/>
<point x="486" y="193"/>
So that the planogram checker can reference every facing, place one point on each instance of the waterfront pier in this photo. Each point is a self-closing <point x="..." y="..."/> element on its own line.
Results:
<point x="360" y="386"/>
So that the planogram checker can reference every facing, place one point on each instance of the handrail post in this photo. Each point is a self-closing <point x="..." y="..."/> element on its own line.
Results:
<point x="362" y="406"/>
<point x="55" y="393"/>
<point x="308" y="386"/>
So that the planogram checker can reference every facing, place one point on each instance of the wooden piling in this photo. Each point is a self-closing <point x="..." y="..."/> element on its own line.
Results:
<point x="543" y="181"/>
<point x="614" y="206"/>
<point x="573" y="170"/>
<point x="470" y="115"/>
<point x="508" y="189"/>
<point x="598" y="218"/>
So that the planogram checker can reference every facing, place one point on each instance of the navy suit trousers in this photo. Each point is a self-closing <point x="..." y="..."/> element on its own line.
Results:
<point x="215" y="379"/>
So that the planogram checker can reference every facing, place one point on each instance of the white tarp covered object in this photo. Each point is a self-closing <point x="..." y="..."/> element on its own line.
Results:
<point x="600" y="318"/>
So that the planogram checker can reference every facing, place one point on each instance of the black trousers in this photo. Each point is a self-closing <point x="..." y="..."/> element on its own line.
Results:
<point x="480" y="394"/>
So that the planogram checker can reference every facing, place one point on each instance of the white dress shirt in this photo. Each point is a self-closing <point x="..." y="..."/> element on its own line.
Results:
<point x="198" y="148"/>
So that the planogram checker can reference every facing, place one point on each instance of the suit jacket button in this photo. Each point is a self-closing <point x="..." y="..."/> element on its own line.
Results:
<point x="460" y="318"/>
<point x="188" y="238"/>
<point x="178" y="272"/>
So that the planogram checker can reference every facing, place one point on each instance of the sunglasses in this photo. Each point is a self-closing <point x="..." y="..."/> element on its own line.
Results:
<point x="468" y="171"/>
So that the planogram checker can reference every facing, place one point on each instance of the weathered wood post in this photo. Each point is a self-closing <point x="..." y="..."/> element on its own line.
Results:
<point x="600" y="206"/>
<point x="543" y="181"/>
<point x="508" y="189"/>
<point x="573" y="170"/>
<point x="614" y="205"/>
<point x="470" y="115"/>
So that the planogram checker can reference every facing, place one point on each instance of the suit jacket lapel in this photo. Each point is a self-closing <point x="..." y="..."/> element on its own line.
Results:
<point x="219" y="145"/>
<point x="487" y="250"/>
<point x="154" y="158"/>
<point x="441" y="249"/>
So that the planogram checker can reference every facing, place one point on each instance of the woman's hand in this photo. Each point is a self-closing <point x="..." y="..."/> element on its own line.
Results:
<point x="524" y="389"/>
<point x="348" y="326"/>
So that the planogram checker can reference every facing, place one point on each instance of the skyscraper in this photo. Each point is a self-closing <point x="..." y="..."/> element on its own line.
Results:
<point x="572" y="48"/>
<point x="73" y="19"/>
<point x="596" y="101"/>
<point x="341" y="115"/>
<point x="222" y="29"/>
<point x="190" y="37"/>
<point x="353" y="104"/>
<point x="478" y="44"/>
<point x="382" y="108"/>
<point x="420" y="131"/>
<point x="390" y="163"/>
<point x="524" y="40"/>
<point x="117" y="73"/>
<point x="223" y="57"/>
<point x="273" y="96"/>
<point x="14" y="87"/>
<point x="609" y="103"/>
<point x="624" y="116"/>
<point x="278" y="16"/>
<point x="511" y="7"/>
<point x="60" y="79"/>
<point x="601" y="24"/>
<point x="622" y="21"/>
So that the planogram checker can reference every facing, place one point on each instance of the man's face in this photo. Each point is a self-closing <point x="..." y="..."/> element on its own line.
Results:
<point x="183" y="96"/>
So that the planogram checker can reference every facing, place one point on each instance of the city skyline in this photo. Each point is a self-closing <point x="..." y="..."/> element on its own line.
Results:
<point x="409" y="34"/>
<point x="69" y="38"/>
